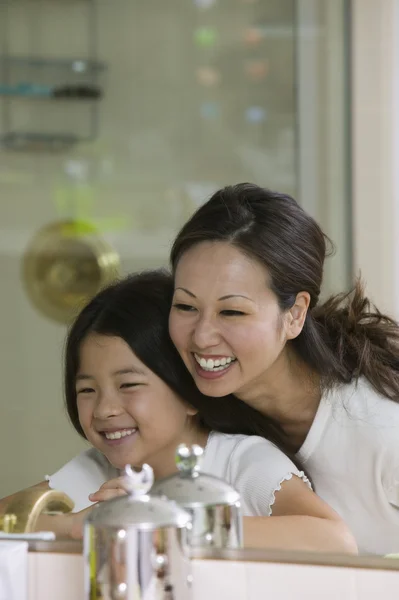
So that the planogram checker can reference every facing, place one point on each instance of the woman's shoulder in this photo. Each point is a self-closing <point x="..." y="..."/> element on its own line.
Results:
<point x="351" y="416"/>
<point x="361" y="402"/>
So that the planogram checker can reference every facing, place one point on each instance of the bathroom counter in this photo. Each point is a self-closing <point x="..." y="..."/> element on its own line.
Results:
<point x="247" y="555"/>
<point x="56" y="570"/>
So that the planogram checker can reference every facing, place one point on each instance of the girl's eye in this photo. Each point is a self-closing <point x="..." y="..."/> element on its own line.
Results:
<point x="85" y="391"/>
<point x="232" y="313"/>
<point x="184" y="307"/>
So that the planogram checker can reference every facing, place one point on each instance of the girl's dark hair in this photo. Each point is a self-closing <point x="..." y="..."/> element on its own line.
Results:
<point x="136" y="309"/>
<point x="343" y="338"/>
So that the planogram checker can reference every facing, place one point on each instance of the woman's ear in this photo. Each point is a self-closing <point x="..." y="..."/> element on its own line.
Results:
<point x="296" y="315"/>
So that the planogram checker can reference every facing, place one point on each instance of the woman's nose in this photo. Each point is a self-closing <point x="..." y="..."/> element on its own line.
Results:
<point x="205" y="334"/>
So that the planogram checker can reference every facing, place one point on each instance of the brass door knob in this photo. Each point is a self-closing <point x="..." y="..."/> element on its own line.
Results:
<point x="64" y="266"/>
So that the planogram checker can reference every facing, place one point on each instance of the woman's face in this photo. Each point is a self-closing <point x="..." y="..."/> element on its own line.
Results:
<point x="125" y="410"/>
<point x="226" y="322"/>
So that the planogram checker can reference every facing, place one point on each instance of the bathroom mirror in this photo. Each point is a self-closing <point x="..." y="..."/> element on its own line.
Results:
<point x="196" y="94"/>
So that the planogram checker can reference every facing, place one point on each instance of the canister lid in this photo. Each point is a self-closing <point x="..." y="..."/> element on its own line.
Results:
<point x="191" y="488"/>
<point x="137" y="509"/>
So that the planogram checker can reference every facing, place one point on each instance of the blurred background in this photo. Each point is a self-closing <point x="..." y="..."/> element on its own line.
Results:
<point x="118" y="119"/>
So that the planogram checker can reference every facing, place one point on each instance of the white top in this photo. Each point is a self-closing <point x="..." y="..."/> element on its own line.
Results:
<point x="251" y="464"/>
<point x="352" y="456"/>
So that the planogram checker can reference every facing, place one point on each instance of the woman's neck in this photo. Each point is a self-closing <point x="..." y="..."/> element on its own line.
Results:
<point x="289" y="393"/>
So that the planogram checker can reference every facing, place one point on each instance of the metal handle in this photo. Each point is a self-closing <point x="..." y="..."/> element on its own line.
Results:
<point x="187" y="459"/>
<point x="138" y="483"/>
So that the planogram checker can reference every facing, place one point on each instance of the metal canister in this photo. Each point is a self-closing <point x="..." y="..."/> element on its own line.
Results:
<point x="214" y="505"/>
<point x="135" y="546"/>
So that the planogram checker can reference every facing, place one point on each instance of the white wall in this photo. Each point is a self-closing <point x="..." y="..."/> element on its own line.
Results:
<point x="323" y="122"/>
<point x="375" y="104"/>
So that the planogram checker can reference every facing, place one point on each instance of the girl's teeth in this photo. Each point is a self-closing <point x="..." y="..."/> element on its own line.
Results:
<point x="116" y="435"/>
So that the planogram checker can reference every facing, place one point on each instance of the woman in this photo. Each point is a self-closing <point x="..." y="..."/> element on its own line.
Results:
<point x="129" y="394"/>
<point x="246" y="320"/>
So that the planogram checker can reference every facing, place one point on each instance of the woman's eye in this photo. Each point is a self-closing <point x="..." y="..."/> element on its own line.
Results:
<point x="129" y="385"/>
<point x="183" y="307"/>
<point x="232" y="313"/>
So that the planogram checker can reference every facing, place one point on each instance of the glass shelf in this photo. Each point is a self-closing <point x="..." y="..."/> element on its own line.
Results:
<point x="68" y="92"/>
<point x="38" y="142"/>
<point x="76" y="65"/>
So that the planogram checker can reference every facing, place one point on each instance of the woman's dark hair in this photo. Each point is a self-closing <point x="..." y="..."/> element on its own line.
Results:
<point x="136" y="309"/>
<point x="343" y="338"/>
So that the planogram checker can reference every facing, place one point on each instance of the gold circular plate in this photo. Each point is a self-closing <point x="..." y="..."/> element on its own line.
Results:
<point x="64" y="266"/>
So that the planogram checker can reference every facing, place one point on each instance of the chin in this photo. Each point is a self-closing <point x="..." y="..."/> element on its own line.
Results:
<point x="118" y="462"/>
<point x="212" y="389"/>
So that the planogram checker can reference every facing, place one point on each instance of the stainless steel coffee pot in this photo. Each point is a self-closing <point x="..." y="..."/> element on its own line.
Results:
<point x="135" y="546"/>
<point x="213" y="504"/>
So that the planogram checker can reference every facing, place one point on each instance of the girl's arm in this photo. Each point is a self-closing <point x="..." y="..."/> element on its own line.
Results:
<point x="300" y="520"/>
<point x="285" y="512"/>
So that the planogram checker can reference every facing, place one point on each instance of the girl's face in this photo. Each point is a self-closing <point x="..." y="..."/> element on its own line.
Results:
<point x="226" y="323"/>
<point x="125" y="410"/>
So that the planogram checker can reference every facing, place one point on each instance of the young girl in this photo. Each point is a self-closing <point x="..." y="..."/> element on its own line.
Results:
<point x="247" y="321"/>
<point x="129" y="394"/>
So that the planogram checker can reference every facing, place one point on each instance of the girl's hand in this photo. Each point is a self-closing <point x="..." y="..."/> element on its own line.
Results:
<point x="76" y="522"/>
<point x="110" y="489"/>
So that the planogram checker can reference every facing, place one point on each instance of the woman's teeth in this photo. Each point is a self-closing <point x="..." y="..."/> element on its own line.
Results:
<point x="220" y="364"/>
<point x="116" y="435"/>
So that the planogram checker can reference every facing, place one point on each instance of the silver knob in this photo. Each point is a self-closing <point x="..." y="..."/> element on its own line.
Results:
<point x="138" y="483"/>
<point x="187" y="459"/>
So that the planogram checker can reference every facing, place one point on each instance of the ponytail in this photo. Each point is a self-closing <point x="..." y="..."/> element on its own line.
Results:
<point x="347" y="337"/>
